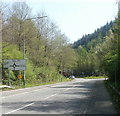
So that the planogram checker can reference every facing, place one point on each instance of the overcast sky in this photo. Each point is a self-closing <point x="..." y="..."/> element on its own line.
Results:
<point x="76" y="17"/>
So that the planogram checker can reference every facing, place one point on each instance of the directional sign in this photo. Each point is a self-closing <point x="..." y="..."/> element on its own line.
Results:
<point x="15" y="64"/>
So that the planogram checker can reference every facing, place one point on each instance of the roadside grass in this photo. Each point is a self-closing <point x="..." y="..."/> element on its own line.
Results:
<point x="6" y="89"/>
<point x="93" y="77"/>
<point x="115" y="97"/>
<point x="46" y="83"/>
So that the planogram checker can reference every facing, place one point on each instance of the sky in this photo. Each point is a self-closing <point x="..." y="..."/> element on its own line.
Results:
<point x="76" y="18"/>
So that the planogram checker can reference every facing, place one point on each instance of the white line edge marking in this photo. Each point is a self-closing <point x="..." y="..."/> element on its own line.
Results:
<point x="19" y="108"/>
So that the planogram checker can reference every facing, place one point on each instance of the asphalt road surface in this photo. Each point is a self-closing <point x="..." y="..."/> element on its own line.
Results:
<point x="80" y="96"/>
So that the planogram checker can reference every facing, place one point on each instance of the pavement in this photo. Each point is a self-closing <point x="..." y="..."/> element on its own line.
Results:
<point x="80" y="96"/>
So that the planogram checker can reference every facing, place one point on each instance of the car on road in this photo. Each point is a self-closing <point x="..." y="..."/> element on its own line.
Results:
<point x="72" y="77"/>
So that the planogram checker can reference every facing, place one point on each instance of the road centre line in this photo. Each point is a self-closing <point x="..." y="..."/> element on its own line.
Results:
<point x="19" y="108"/>
<point x="50" y="96"/>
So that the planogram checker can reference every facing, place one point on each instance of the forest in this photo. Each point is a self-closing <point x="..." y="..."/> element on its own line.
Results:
<point x="49" y="55"/>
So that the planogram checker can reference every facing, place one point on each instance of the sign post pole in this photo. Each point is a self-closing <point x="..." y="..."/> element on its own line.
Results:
<point x="24" y="79"/>
<point x="20" y="82"/>
<point x="8" y="78"/>
<point x="20" y="77"/>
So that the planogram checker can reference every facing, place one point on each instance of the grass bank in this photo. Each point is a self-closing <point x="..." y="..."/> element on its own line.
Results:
<point x="92" y="77"/>
<point x="37" y="83"/>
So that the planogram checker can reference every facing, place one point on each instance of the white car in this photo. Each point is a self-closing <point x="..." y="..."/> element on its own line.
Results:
<point x="72" y="77"/>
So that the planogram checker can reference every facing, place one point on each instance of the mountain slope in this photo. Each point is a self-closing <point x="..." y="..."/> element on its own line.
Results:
<point x="90" y="40"/>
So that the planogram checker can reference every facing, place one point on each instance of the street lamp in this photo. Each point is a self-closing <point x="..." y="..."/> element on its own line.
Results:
<point x="25" y="45"/>
<point x="0" y="47"/>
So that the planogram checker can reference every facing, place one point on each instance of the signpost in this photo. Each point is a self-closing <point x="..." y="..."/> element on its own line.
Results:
<point x="15" y="64"/>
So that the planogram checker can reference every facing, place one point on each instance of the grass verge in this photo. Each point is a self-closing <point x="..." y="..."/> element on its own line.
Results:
<point x="115" y="97"/>
<point x="92" y="77"/>
<point x="34" y="84"/>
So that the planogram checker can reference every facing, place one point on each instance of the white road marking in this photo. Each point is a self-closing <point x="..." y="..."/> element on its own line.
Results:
<point x="50" y="96"/>
<point x="19" y="108"/>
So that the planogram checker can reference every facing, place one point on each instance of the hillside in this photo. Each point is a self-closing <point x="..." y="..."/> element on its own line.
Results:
<point x="97" y="52"/>
<point x="90" y="40"/>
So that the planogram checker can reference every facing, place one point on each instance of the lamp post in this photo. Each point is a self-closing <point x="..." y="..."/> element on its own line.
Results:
<point x="24" y="78"/>
<point x="0" y="47"/>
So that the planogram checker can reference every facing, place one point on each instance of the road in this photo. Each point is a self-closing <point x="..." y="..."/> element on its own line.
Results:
<point x="80" y="96"/>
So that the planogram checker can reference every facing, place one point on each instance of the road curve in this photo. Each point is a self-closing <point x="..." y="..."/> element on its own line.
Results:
<point x="80" y="96"/>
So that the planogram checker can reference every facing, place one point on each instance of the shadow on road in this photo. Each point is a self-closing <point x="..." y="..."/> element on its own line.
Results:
<point x="82" y="97"/>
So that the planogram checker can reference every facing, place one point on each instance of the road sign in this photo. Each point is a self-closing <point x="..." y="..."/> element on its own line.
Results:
<point x="19" y="76"/>
<point x="15" y="64"/>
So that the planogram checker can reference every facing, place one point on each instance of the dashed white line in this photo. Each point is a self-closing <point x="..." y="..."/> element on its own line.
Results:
<point x="50" y="96"/>
<point x="19" y="108"/>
